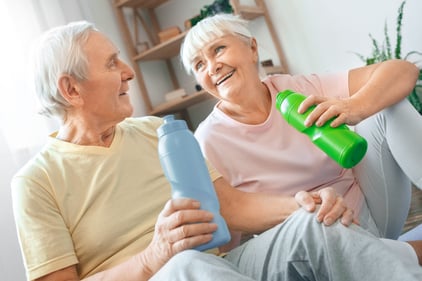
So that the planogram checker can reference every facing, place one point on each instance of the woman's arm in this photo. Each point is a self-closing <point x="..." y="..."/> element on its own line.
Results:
<point x="381" y="85"/>
<point x="257" y="212"/>
<point x="371" y="88"/>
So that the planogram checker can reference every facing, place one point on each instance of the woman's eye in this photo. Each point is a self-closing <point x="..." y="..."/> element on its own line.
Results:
<point x="199" y="65"/>
<point x="219" y="49"/>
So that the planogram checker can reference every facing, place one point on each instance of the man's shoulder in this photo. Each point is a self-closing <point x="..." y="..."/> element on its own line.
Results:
<point x="143" y="123"/>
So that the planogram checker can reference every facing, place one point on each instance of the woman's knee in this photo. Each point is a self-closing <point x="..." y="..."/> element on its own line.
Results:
<point x="185" y="258"/>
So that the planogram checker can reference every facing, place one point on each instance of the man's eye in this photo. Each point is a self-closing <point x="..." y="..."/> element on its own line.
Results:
<point x="112" y="63"/>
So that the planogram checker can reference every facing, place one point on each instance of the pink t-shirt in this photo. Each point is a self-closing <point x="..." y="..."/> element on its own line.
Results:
<point x="273" y="157"/>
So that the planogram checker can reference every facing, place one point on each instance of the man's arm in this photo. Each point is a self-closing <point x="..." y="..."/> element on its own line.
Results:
<point x="181" y="225"/>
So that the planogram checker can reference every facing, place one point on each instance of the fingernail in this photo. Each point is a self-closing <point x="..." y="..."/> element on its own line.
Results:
<point x="328" y="221"/>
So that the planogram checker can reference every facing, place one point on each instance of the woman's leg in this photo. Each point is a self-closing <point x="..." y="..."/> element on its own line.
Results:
<point x="303" y="249"/>
<point x="392" y="162"/>
<point x="193" y="265"/>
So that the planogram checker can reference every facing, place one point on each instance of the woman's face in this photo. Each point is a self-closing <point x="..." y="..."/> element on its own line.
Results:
<point x="225" y="66"/>
<point x="104" y="91"/>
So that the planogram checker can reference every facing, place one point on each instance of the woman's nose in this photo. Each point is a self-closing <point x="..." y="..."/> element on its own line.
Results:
<point x="214" y="67"/>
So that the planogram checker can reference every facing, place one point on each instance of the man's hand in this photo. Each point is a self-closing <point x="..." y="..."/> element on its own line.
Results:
<point x="332" y="207"/>
<point x="181" y="225"/>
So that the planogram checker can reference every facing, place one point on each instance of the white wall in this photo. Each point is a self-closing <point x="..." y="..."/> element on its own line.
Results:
<point x="320" y="36"/>
<point x="317" y="36"/>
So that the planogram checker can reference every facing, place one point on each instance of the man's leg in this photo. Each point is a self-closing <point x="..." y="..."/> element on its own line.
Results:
<point x="303" y="249"/>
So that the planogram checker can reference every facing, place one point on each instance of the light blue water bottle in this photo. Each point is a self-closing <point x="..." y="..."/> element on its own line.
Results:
<point x="184" y="166"/>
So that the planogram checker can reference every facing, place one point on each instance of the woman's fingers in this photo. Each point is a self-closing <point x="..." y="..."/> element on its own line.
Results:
<point x="332" y="206"/>
<point x="339" y="111"/>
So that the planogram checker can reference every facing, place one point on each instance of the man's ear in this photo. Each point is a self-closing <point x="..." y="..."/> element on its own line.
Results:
<point x="69" y="89"/>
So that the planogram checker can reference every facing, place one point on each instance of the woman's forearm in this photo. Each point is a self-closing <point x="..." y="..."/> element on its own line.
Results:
<point x="378" y="86"/>
<point x="252" y="212"/>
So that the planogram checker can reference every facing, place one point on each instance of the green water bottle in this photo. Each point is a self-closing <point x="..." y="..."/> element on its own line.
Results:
<point x="343" y="145"/>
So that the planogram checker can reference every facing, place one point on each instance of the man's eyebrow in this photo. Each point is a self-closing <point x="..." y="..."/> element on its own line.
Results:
<point x="113" y="55"/>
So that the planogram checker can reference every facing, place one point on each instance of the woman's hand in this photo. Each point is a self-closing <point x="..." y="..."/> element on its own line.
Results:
<point x="344" y="111"/>
<point x="181" y="225"/>
<point x="332" y="207"/>
<point x="371" y="89"/>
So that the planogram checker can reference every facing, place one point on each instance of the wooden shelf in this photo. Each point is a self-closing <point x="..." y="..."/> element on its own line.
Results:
<point x="165" y="50"/>
<point x="250" y="12"/>
<point x="274" y="70"/>
<point x="143" y="15"/>
<point x="138" y="3"/>
<point x="179" y="104"/>
<point x="170" y="48"/>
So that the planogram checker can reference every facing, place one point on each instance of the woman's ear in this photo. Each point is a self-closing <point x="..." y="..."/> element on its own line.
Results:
<point x="254" y="48"/>
<point x="69" y="90"/>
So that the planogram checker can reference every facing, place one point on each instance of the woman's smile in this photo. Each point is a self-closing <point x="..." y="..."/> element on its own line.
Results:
<point x="225" y="77"/>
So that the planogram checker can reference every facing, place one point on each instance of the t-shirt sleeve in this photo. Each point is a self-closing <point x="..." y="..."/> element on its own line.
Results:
<point x="44" y="238"/>
<point x="330" y="84"/>
<point x="214" y="174"/>
<point x="335" y="85"/>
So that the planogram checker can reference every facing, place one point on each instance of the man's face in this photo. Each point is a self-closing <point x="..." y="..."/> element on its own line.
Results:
<point x="104" y="92"/>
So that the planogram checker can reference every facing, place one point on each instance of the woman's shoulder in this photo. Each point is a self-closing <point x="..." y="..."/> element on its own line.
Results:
<point x="313" y="83"/>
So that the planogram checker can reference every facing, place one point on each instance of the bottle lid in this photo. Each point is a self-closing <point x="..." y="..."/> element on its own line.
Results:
<point x="281" y="96"/>
<point x="171" y="125"/>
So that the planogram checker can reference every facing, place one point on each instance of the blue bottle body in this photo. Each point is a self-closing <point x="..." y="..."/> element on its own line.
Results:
<point x="184" y="166"/>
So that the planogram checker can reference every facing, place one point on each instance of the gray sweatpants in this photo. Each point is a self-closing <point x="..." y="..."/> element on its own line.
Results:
<point x="393" y="161"/>
<point x="298" y="249"/>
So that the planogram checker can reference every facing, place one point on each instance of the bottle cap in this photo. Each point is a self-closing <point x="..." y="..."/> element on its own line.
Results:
<point x="171" y="125"/>
<point x="281" y="97"/>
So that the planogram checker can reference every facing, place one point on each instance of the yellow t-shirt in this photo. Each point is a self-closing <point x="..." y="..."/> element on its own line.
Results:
<point x="88" y="205"/>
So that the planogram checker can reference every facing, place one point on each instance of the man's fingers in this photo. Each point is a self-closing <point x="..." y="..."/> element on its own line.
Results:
<point x="178" y="204"/>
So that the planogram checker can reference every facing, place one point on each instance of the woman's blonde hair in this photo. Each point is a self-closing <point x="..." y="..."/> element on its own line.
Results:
<point x="208" y="30"/>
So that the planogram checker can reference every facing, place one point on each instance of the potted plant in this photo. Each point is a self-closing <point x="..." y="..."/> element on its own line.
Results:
<point x="382" y="52"/>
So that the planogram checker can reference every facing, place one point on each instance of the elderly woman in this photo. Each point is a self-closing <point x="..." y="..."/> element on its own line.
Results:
<point x="94" y="203"/>
<point x="252" y="146"/>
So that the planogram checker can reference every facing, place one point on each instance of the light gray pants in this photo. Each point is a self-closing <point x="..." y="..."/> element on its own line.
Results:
<point x="298" y="249"/>
<point x="393" y="161"/>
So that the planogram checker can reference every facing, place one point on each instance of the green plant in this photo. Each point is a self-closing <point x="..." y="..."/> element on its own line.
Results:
<point x="217" y="7"/>
<point x="382" y="52"/>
